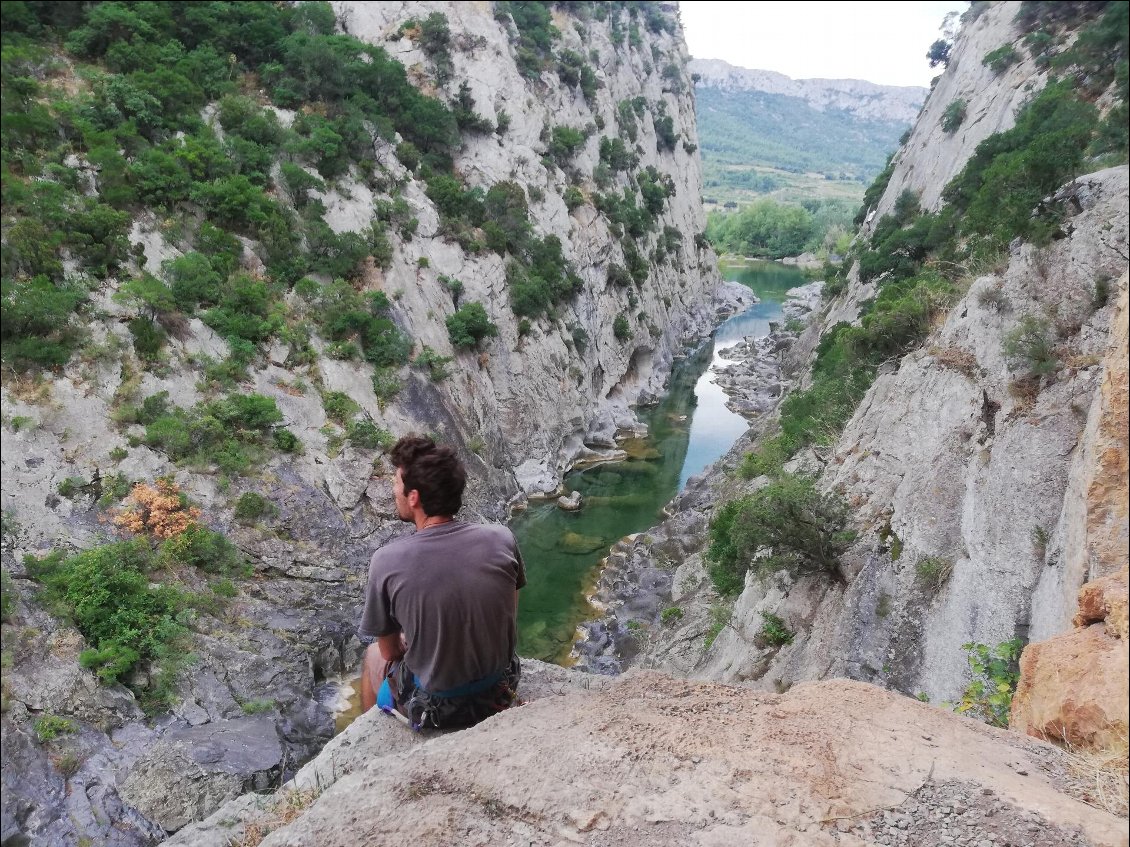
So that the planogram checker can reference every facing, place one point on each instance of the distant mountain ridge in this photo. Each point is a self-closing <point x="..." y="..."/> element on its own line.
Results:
<point x="763" y="134"/>
<point x="866" y="100"/>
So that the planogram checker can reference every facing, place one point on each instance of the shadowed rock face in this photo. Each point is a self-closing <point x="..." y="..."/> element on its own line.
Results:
<point x="651" y="760"/>
<point x="190" y="771"/>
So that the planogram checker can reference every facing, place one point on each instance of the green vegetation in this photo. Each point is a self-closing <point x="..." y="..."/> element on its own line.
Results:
<point x="670" y="615"/>
<point x="470" y="325"/>
<point x="435" y="363"/>
<point x="1001" y="59"/>
<point x="142" y="73"/>
<point x="109" y="594"/>
<point x="988" y="696"/>
<point x="363" y="433"/>
<point x="233" y="434"/>
<point x="767" y="229"/>
<point x="773" y="631"/>
<point x="338" y="406"/>
<point x="720" y="615"/>
<point x="7" y="596"/>
<point x="49" y="727"/>
<point x="787" y="524"/>
<point x="250" y="507"/>
<point x="933" y="572"/>
<point x="358" y="324"/>
<point x="621" y="329"/>
<point x="953" y="116"/>
<point x="1030" y="347"/>
<point x="257" y="707"/>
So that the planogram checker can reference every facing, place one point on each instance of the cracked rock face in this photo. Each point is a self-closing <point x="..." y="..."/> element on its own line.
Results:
<point x="190" y="771"/>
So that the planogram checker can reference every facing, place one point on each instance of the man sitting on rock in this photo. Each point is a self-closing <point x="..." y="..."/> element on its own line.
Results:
<point x="442" y="602"/>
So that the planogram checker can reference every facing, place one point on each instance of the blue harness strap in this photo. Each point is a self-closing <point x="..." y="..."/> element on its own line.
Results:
<point x="465" y="690"/>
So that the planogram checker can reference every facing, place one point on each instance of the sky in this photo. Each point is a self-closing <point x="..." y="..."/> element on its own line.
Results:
<point x="881" y="42"/>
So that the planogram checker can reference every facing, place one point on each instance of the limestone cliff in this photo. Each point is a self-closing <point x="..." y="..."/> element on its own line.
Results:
<point x="931" y="157"/>
<point x="534" y="398"/>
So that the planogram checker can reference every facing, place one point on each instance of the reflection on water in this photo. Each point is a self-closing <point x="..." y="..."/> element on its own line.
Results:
<point x="689" y="429"/>
<point x="715" y="428"/>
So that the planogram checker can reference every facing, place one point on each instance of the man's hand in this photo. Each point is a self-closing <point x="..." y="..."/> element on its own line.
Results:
<point x="392" y="646"/>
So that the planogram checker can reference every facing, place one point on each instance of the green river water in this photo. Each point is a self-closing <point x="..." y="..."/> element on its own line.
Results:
<point x="687" y="430"/>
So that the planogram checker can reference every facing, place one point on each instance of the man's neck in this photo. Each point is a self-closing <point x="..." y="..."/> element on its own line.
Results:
<point x="428" y="521"/>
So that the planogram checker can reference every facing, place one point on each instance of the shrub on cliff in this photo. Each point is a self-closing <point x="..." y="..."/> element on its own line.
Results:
<point x="787" y="524"/>
<point x="470" y="325"/>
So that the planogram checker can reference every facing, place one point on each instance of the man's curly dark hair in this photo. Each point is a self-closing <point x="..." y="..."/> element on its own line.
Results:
<point x="435" y="471"/>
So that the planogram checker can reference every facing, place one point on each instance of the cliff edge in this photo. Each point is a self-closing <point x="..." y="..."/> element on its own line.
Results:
<point x="652" y="760"/>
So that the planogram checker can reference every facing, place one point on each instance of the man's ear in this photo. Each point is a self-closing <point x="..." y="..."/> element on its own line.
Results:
<point x="413" y="498"/>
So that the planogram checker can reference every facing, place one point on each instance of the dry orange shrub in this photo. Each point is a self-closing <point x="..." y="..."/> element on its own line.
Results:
<point x="157" y="510"/>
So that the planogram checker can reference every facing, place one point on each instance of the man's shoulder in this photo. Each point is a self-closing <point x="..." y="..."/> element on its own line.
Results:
<point x="492" y="530"/>
<point x="390" y="548"/>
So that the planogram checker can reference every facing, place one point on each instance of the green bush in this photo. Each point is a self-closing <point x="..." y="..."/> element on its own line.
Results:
<point x="339" y="407"/>
<point x="250" y="507"/>
<point x="564" y="143"/>
<point x="148" y="338"/>
<point x="665" y="135"/>
<point x="1030" y="347"/>
<point x="204" y="549"/>
<point x="534" y="32"/>
<point x="435" y="364"/>
<point x="787" y="524"/>
<point x="671" y="614"/>
<point x="767" y="459"/>
<point x="953" y="116"/>
<point x="7" y="596"/>
<point x="1010" y="172"/>
<point x="345" y="315"/>
<point x="573" y="197"/>
<point x="49" y="727"/>
<point x="386" y="385"/>
<point x="71" y="486"/>
<point x="541" y="278"/>
<point x="875" y="191"/>
<point x="773" y="631"/>
<point x="934" y="572"/>
<point x="37" y="329"/>
<point x="364" y="433"/>
<point x="621" y="328"/>
<point x="232" y="433"/>
<point x="1001" y="59"/>
<point x="107" y="592"/>
<point x="720" y="616"/>
<point x="470" y="325"/>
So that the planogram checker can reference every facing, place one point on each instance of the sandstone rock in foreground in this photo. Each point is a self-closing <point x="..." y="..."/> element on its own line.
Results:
<point x="651" y="760"/>
<point x="1073" y="687"/>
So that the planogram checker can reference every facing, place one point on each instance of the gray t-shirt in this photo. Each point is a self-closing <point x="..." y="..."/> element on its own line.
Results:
<point x="450" y="588"/>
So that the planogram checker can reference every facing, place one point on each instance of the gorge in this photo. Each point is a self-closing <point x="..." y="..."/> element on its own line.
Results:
<point x="231" y="281"/>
